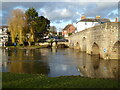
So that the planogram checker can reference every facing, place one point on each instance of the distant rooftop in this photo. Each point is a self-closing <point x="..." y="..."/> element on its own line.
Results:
<point x="66" y="27"/>
<point x="95" y="20"/>
<point x="3" y="27"/>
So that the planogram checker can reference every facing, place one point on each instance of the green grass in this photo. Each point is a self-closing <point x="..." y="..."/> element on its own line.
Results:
<point x="15" y="80"/>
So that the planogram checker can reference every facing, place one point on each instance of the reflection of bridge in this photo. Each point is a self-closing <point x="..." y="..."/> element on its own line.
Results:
<point x="91" y="66"/>
<point x="102" y="39"/>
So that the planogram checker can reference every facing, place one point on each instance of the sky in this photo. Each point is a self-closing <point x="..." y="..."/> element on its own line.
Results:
<point x="62" y="13"/>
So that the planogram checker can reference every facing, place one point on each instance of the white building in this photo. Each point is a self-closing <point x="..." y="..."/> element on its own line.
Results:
<point x="85" y="23"/>
<point x="3" y="35"/>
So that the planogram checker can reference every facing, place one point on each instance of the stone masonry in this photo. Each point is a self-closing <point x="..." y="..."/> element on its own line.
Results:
<point x="102" y="39"/>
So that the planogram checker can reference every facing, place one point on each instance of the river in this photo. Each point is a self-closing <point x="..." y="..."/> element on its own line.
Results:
<point x="57" y="62"/>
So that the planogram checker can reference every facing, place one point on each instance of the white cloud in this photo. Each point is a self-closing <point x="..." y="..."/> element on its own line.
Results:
<point x="57" y="14"/>
<point x="21" y="7"/>
<point x="63" y="13"/>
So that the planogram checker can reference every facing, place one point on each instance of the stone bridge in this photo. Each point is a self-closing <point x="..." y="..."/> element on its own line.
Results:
<point x="103" y="40"/>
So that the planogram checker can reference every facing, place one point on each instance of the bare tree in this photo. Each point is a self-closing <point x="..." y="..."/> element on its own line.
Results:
<point x="17" y="23"/>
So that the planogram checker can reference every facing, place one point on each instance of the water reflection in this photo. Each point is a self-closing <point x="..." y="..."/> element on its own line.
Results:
<point x="99" y="68"/>
<point x="57" y="62"/>
<point x="92" y="66"/>
<point x="25" y="61"/>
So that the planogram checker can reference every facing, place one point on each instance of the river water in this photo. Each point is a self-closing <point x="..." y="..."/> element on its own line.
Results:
<point x="57" y="62"/>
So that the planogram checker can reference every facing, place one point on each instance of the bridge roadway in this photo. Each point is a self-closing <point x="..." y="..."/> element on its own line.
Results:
<point x="103" y="40"/>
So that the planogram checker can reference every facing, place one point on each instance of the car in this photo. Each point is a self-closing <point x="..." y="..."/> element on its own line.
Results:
<point x="62" y="40"/>
<point x="57" y="40"/>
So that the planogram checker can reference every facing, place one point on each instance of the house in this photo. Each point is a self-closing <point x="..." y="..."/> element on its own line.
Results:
<point x="85" y="23"/>
<point x="116" y="20"/>
<point x="3" y="35"/>
<point x="69" y="29"/>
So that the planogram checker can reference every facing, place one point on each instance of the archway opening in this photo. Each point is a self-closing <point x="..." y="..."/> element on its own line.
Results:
<point x="116" y="50"/>
<point x="77" y="46"/>
<point x="84" y="44"/>
<point x="95" y="49"/>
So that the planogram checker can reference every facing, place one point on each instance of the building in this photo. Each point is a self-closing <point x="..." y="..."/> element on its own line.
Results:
<point x="69" y="29"/>
<point x="3" y="35"/>
<point x="85" y="23"/>
<point x="116" y="20"/>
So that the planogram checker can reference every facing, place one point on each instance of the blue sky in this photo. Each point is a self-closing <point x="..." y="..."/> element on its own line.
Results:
<point x="62" y="13"/>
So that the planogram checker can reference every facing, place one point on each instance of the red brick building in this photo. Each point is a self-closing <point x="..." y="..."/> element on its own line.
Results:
<point x="69" y="29"/>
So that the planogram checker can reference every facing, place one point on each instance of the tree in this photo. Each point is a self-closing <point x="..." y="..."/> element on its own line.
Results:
<point x="53" y="29"/>
<point x="37" y="25"/>
<point x="27" y="26"/>
<point x="31" y="15"/>
<point x="16" y="23"/>
<point x="42" y="27"/>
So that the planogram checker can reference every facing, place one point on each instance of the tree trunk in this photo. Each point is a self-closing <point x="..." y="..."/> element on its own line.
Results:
<point x="32" y="34"/>
<point x="13" y="37"/>
<point x="51" y="44"/>
<point x="20" y="37"/>
<point x="29" y="43"/>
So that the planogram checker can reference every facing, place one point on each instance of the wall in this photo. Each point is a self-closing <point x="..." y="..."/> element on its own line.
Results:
<point x="105" y="36"/>
<point x="71" y="29"/>
<point x="84" y="25"/>
<point x="3" y="36"/>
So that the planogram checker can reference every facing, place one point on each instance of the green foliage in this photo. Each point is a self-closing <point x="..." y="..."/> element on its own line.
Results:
<point x="37" y="25"/>
<point x="42" y="24"/>
<point x="28" y="26"/>
<point x="51" y="41"/>
<point x="31" y="14"/>
<point x="60" y="37"/>
<point x="69" y="34"/>
<point x="12" y="80"/>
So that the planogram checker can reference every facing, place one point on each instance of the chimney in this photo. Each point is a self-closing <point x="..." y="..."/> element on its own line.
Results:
<point x="97" y="17"/>
<point x="83" y="17"/>
<point x="116" y="19"/>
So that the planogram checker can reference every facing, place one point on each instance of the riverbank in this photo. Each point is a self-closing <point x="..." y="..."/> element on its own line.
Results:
<point x="26" y="47"/>
<point x="15" y="80"/>
<point x="36" y="46"/>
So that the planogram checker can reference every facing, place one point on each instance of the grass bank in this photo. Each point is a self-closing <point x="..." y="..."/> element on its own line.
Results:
<point x="15" y="80"/>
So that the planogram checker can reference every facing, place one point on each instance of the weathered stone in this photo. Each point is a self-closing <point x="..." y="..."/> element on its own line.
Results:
<point x="102" y="39"/>
<point x="62" y="46"/>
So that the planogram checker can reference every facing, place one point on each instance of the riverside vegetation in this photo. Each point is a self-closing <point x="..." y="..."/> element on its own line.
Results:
<point x="16" y="80"/>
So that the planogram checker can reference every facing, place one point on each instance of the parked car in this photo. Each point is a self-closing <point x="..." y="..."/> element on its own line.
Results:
<point x="62" y="40"/>
<point x="57" y="40"/>
<point x="50" y="39"/>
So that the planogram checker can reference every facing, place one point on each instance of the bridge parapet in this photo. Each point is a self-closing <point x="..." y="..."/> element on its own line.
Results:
<point x="102" y="37"/>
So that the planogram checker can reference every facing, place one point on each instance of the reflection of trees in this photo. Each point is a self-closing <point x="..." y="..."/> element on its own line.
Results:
<point x="96" y="67"/>
<point x="28" y="61"/>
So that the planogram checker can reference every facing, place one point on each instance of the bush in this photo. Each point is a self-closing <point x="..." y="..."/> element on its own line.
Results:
<point x="69" y="34"/>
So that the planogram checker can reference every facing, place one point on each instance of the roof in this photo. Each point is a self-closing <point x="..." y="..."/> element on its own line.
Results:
<point x="94" y="20"/>
<point x="3" y="27"/>
<point x="66" y="27"/>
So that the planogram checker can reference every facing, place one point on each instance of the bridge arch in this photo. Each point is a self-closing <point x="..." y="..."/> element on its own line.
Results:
<point x="116" y="50"/>
<point x="77" y="46"/>
<point x="84" y="44"/>
<point x="95" y="49"/>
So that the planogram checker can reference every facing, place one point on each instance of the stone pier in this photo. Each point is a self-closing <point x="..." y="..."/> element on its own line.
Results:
<point x="102" y="39"/>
